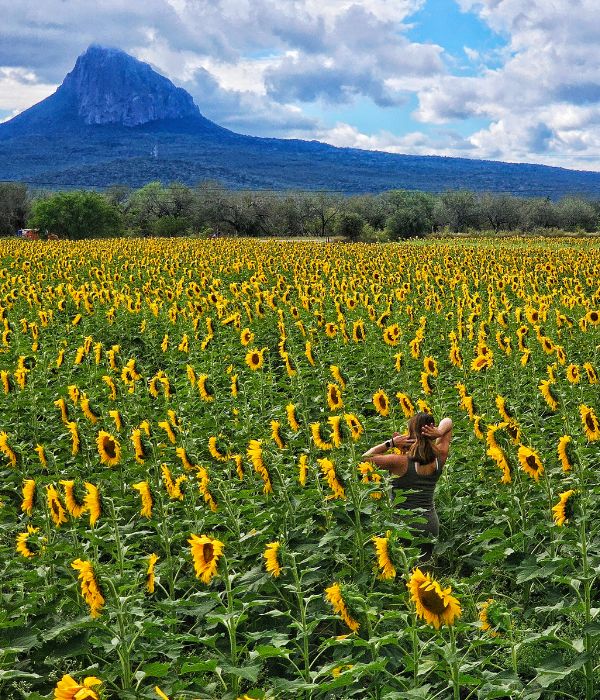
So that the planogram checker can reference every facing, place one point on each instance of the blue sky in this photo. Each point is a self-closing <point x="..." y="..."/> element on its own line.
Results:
<point x="515" y="80"/>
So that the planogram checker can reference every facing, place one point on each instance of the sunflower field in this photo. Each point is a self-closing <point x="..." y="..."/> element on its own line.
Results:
<point x="184" y="510"/>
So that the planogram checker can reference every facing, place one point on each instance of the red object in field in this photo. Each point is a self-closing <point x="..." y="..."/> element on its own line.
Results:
<point x="31" y="234"/>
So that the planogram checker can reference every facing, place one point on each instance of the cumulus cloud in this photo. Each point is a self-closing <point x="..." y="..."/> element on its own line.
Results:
<point x="253" y="65"/>
<point x="543" y="101"/>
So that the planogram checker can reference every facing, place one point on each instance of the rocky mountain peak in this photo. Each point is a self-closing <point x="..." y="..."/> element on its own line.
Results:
<point x="109" y="86"/>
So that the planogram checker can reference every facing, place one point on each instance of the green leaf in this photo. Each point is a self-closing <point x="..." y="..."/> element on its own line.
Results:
<point x="156" y="670"/>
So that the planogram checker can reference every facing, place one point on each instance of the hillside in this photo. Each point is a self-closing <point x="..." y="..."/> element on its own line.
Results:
<point x="116" y="120"/>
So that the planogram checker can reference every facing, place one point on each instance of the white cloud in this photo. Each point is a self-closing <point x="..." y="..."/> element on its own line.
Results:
<point x="20" y="88"/>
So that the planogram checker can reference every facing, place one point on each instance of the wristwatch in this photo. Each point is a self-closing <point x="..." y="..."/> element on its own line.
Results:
<point x="389" y="443"/>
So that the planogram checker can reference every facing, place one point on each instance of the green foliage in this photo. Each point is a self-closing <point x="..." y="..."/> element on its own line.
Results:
<point x="349" y="225"/>
<point x="14" y="207"/>
<point x="76" y="215"/>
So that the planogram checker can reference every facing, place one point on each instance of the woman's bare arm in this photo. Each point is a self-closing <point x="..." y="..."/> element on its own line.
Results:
<point x="443" y="433"/>
<point x="395" y="463"/>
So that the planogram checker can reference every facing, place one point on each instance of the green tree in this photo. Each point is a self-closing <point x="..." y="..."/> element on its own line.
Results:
<point x="75" y="215"/>
<point x="349" y="225"/>
<point x="14" y="207"/>
<point x="411" y="214"/>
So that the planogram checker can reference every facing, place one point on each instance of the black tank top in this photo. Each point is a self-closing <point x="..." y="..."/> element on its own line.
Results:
<point x="423" y="486"/>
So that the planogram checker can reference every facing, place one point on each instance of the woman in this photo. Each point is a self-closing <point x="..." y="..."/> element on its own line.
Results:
<point x="419" y="468"/>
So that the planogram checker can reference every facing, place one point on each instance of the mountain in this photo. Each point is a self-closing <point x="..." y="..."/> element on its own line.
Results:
<point x="116" y="120"/>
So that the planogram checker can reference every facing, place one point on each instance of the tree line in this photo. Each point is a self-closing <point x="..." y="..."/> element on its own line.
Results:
<point x="210" y="209"/>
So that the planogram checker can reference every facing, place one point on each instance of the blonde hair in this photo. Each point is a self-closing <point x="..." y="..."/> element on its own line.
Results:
<point x="422" y="450"/>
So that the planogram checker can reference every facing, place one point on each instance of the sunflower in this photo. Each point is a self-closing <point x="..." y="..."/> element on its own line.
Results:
<point x="430" y="366"/>
<point x="391" y="335"/>
<point x="525" y="357"/>
<point x="6" y="450"/>
<point x="573" y="374"/>
<point x="592" y="317"/>
<point x="191" y="374"/>
<point x="166" y="426"/>
<point x="334" y="397"/>
<point x="328" y="470"/>
<point x="381" y="402"/>
<point x="272" y="564"/>
<point x="302" y="469"/>
<point x="358" y="331"/>
<point x="255" y="455"/>
<point x="152" y="559"/>
<point x="315" y="430"/>
<point x="387" y="568"/>
<point x="138" y="445"/>
<point x="290" y="411"/>
<point x="497" y="454"/>
<point x="203" y="481"/>
<point x="591" y="426"/>
<point x="74" y="393"/>
<point x="205" y="395"/>
<point x="5" y="379"/>
<point x="482" y="362"/>
<point x="425" y="383"/>
<point x="108" y="380"/>
<point x="335" y="597"/>
<point x="87" y="411"/>
<point x="206" y="553"/>
<point x="173" y="487"/>
<point x="484" y="618"/>
<point x="160" y="693"/>
<point x="28" y="494"/>
<point x="91" y="502"/>
<point x="57" y="511"/>
<point x="423" y="406"/>
<point x="214" y="450"/>
<point x="109" y="449"/>
<point x="592" y="375"/>
<point x="143" y="488"/>
<point x="545" y="387"/>
<point x="405" y="404"/>
<point x="246" y="337"/>
<point x="477" y="427"/>
<point x="562" y="512"/>
<point x="530" y="462"/>
<point x="434" y="605"/>
<point x="68" y="689"/>
<point x="75" y="509"/>
<point x="331" y="329"/>
<point x="239" y="468"/>
<point x="501" y="406"/>
<point x="89" y="587"/>
<point x="235" y="385"/>
<point x="563" y="454"/>
<point x="398" y="360"/>
<point x="22" y="544"/>
<point x="354" y="425"/>
<point x="255" y="358"/>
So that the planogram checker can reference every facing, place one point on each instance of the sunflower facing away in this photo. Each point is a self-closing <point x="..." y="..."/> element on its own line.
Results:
<point x="272" y="564"/>
<point x="562" y="512"/>
<point x="591" y="425"/>
<point x="434" y="605"/>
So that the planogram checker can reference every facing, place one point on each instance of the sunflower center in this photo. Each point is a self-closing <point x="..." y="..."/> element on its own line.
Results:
<point x="110" y="448"/>
<point x="207" y="552"/>
<point x="255" y="358"/>
<point x="432" y="601"/>
<point x="589" y="421"/>
<point x="532" y="462"/>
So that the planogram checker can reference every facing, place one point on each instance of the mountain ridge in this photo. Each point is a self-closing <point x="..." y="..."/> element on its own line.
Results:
<point x="114" y="119"/>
